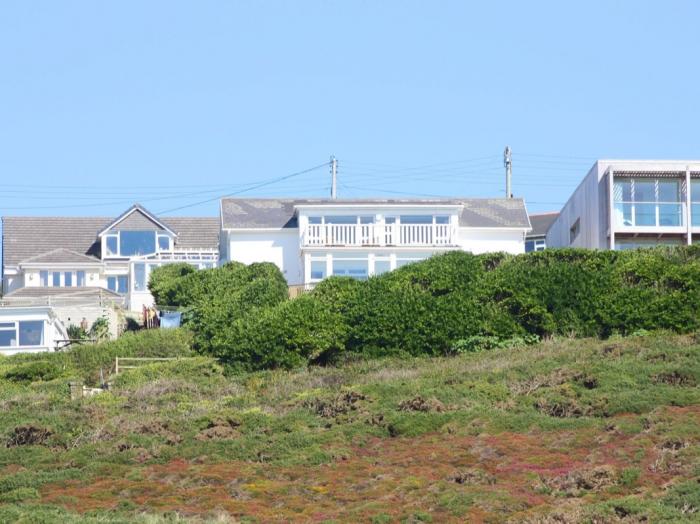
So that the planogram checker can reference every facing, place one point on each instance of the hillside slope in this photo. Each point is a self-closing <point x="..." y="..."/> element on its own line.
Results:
<point x="564" y="431"/>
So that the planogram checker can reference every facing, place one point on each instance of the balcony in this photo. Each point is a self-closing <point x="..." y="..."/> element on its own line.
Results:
<point x="649" y="215"/>
<point x="378" y="235"/>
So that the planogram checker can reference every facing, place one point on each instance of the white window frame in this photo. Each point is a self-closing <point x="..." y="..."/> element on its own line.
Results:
<point x="16" y="331"/>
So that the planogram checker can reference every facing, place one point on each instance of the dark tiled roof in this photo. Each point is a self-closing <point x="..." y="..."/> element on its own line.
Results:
<point x="279" y="212"/>
<point x="34" y="292"/>
<point x="60" y="256"/>
<point x="541" y="222"/>
<point x="27" y="237"/>
<point x="196" y="232"/>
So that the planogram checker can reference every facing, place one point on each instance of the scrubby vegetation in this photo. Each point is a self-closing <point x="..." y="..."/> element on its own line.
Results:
<point x="565" y="430"/>
<point x="538" y="389"/>
<point x="450" y="303"/>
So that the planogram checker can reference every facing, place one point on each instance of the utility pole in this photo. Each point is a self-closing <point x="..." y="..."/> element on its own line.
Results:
<point x="334" y="177"/>
<point x="508" y="163"/>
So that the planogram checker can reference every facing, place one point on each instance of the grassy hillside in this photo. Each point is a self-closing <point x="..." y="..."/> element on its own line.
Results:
<point x="563" y="431"/>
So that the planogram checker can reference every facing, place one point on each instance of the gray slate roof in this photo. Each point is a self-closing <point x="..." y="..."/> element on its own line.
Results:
<point x="27" y="237"/>
<point x="254" y="213"/>
<point x="41" y="292"/>
<point x="60" y="256"/>
<point x="541" y="222"/>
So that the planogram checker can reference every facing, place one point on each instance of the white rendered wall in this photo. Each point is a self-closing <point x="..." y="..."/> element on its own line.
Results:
<point x="491" y="241"/>
<point x="32" y="277"/>
<point x="279" y="247"/>
<point x="52" y="330"/>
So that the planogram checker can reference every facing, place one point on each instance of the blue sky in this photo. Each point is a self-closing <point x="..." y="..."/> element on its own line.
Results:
<point x="172" y="103"/>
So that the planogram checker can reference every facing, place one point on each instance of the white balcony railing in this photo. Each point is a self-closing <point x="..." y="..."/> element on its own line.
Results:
<point x="324" y="235"/>
<point x="649" y="214"/>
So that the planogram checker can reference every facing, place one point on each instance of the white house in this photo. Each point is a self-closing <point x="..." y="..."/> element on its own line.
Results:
<point x="312" y="239"/>
<point x="72" y="262"/>
<point x="625" y="204"/>
<point x="29" y="330"/>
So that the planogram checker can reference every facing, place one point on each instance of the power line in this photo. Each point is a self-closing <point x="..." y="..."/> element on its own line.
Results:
<point x="262" y="184"/>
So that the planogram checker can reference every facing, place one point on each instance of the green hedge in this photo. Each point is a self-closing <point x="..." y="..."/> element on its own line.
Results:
<point x="427" y="308"/>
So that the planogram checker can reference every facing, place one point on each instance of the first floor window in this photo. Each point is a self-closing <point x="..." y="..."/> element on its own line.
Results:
<point x="56" y="279"/>
<point x="68" y="279"/>
<point x="535" y="245"/>
<point x="80" y="278"/>
<point x="350" y="268"/>
<point x="318" y="269"/>
<point x="8" y="334"/>
<point x="118" y="284"/>
<point x="624" y="244"/>
<point x="31" y="332"/>
<point x="44" y="278"/>
<point x="382" y="266"/>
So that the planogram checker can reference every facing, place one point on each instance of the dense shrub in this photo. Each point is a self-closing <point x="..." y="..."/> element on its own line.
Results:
<point x="291" y="334"/>
<point x="449" y="303"/>
<point x="234" y="292"/>
<point x="34" y="371"/>
<point x="168" y="286"/>
<point x="485" y="342"/>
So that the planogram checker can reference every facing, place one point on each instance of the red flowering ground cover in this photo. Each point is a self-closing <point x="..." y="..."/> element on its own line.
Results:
<point x="568" y="431"/>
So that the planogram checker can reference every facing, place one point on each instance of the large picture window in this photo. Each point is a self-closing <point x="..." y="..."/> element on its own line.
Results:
<point x="31" y="332"/>
<point x="26" y="332"/>
<point x="132" y="243"/>
<point x="642" y="201"/>
<point x="351" y="268"/>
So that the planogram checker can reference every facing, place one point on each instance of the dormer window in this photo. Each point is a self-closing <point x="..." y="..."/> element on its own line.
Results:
<point x="131" y="243"/>
<point x="134" y="243"/>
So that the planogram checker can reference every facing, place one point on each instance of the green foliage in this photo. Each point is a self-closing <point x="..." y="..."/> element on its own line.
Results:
<point x="19" y="495"/>
<point x="684" y="496"/>
<point x="194" y="369"/>
<point x="486" y="342"/>
<point x="88" y="359"/>
<point x="435" y="433"/>
<point x="168" y="285"/>
<point x="99" y="330"/>
<point x="289" y="335"/>
<point x="34" y="371"/>
<point x="235" y="292"/>
<point x="76" y="333"/>
<point x="454" y="302"/>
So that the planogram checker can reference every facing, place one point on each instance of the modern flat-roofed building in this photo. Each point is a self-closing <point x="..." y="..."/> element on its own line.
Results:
<point x="625" y="204"/>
